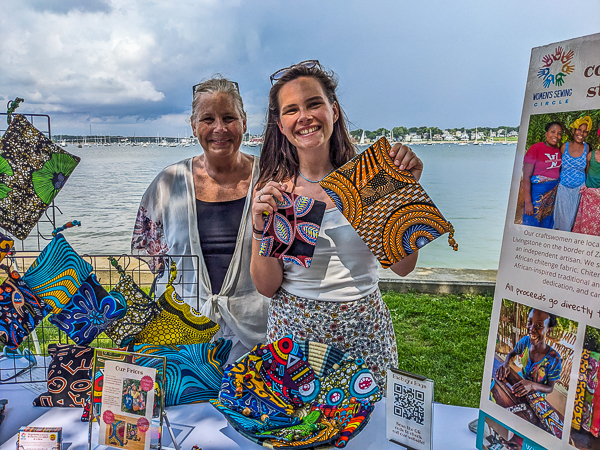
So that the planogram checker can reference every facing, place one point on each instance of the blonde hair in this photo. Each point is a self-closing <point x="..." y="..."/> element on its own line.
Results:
<point x="217" y="84"/>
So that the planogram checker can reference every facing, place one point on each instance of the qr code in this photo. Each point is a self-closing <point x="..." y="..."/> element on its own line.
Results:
<point x="409" y="403"/>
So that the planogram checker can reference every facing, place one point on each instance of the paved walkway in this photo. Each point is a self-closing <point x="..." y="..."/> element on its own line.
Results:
<point x="440" y="281"/>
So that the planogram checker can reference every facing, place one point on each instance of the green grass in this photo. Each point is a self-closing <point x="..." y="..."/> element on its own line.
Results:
<point x="444" y="338"/>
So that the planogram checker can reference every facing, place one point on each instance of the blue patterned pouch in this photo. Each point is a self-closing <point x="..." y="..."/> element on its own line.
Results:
<point x="57" y="272"/>
<point x="89" y="312"/>
<point x="194" y="372"/>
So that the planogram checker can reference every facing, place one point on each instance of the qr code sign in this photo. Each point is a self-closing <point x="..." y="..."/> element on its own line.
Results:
<point x="409" y="403"/>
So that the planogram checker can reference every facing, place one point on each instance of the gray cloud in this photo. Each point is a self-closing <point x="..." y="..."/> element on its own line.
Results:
<point x="130" y="64"/>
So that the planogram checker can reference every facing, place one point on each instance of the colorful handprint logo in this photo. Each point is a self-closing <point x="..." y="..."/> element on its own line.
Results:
<point x="556" y="67"/>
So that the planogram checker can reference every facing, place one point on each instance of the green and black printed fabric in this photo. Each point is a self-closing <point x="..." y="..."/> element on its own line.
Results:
<point x="32" y="172"/>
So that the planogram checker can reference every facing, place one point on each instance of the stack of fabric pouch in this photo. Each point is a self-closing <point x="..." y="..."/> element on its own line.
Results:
<point x="141" y="309"/>
<point x="57" y="272"/>
<point x="291" y="232"/>
<point x="178" y="322"/>
<point x="32" y="172"/>
<point x="386" y="206"/>
<point x="20" y="309"/>
<point x="89" y="312"/>
<point x="303" y="394"/>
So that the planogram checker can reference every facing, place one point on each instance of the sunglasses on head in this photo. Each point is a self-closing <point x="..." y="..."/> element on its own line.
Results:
<point x="281" y="72"/>
<point x="194" y="87"/>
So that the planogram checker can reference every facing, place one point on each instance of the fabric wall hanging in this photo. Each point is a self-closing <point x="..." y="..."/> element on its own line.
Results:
<point x="89" y="312"/>
<point x="69" y="381"/>
<point x="20" y="309"/>
<point x="178" y="322"/>
<point x="32" y="172"/>
<point x="387" y="207"/>
<point x="141" y="309"/>
<point x="194" y="372"/>
<point x="291" y="232"/>
<point x="57" y="272"/>
<point x="6" y="244"/>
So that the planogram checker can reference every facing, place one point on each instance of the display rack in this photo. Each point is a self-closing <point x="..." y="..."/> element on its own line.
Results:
<point x="30" y="362"/>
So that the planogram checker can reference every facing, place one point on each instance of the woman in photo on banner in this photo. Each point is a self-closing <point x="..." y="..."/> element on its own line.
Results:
<point x="201" y="206"/>
<point x="588" y="214"/>
<point x="541" y="173"/>
<point x="572" y="175"/>
<point x="336" y="300"/>
<point x="541" y="364"/>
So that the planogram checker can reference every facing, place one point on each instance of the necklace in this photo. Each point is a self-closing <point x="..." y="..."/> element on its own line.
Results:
<point x="313" y="181"/>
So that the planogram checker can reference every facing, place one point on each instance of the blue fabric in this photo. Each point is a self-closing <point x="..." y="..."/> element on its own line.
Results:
<point x="20" y="310"/>
<point x="538" y="190"/>
<point x="194" y="371"/>
<point x="89" y="312"/>
<point x="547" y="369"/>
<point x="572" y="170"/>
<point x="57" y="273"/>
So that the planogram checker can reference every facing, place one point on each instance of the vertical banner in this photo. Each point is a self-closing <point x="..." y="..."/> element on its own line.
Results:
<point x="539" y="389"/>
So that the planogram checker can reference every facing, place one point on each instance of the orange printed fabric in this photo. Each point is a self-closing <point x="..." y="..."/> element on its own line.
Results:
<point x="387" y="207"/>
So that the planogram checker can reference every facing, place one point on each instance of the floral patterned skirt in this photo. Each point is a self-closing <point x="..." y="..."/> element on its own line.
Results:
<point x="362" y="328"/>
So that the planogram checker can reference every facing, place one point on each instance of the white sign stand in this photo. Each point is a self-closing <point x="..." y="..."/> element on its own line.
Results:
<point x="409" y="410"/>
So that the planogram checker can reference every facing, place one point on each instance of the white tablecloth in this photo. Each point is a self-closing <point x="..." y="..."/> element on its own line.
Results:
<point x="202" y="425"/>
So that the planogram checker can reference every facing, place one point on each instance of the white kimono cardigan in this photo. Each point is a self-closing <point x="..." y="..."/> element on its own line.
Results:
<point x="167" y="224"/>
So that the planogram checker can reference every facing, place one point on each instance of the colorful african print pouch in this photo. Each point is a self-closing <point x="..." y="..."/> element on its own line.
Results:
<point x="178" y="322"/>
<point x="244" y="390"/>
<point x="20" y="309"/>
<point x="6" y="244"/>
<point x="194" y="372"/>
<point x="291" y="232"/>
<point x="32" y="171"/>
<point x="69" y="371"/>
<point x="284" y="369"/>
<point x="57" y="272"/>
<point x="141" y="309"/>
<point x="315" y="429"/>
<point x="89" y="312"/>
<point x="386" y="206"/>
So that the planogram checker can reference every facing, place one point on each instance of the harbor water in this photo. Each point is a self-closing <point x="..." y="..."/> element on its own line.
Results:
<point x="469" y="184"/>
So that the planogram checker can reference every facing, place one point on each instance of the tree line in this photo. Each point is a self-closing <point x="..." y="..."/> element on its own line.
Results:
<point x="426" y="131"/>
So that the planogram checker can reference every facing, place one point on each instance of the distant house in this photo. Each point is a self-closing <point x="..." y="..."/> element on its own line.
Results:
<point x="513" y="134"/>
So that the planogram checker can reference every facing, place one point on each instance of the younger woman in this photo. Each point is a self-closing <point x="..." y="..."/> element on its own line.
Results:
<point x="336" y="300"/>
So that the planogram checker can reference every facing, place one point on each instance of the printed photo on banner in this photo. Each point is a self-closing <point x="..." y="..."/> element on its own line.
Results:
<point x="498" y="437"/>
<point x="560" y="183"/>
<point x="125" y="433"/>
<point x="585" y="425"/>
<point x="532" y="365"/>
<point x="134" y="397"/>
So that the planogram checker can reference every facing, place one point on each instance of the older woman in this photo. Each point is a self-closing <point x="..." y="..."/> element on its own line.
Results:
<point x="336" y="300"/>
<point x="572" y="175"/>
<point x="201" y="206"/>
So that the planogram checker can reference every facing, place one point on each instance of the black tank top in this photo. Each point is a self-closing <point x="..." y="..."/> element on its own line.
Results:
<point x="218" y="225"/>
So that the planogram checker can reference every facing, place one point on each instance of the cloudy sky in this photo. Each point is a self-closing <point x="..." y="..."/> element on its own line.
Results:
<point x="127" y="66"/>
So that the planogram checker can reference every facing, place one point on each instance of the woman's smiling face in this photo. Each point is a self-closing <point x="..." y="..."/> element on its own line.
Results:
<point x="554" y="135"/>
<point x="537" y="326"/>
<point x="580" y="133"/>
<point x="306" y="116"/>
<point x="219" y="126"/>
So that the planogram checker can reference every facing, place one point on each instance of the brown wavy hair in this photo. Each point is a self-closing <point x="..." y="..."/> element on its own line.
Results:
<point x="279" y="159"/>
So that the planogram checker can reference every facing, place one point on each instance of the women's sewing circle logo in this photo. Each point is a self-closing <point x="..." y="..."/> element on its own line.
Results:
<point x="556" y="66"/>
